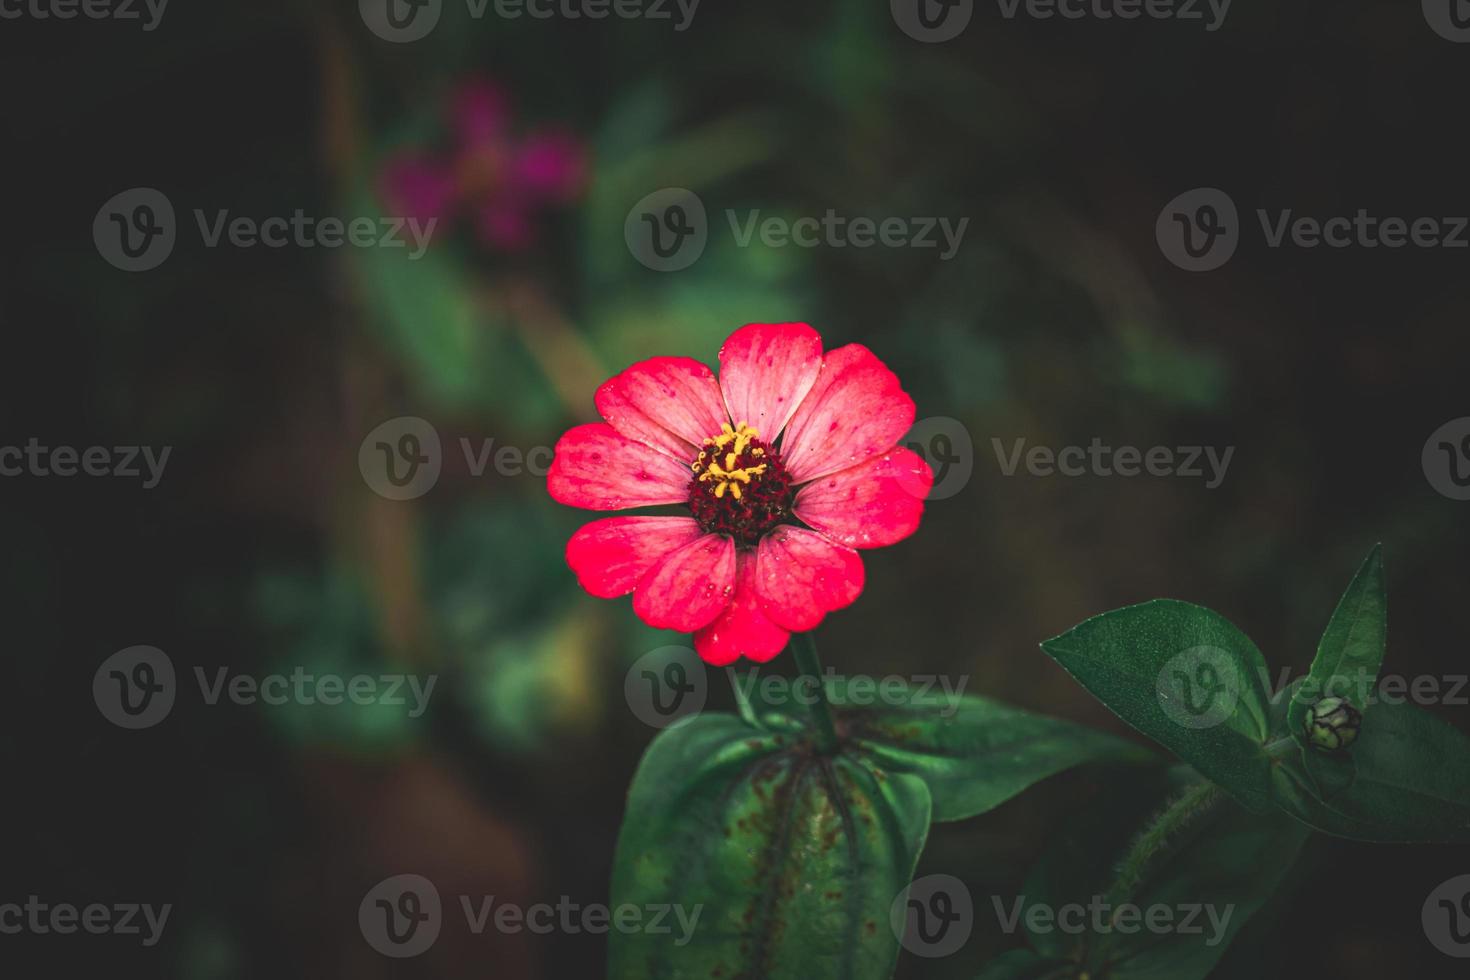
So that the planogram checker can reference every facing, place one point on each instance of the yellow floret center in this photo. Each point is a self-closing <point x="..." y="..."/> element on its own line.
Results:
<point x="719" y="460"/>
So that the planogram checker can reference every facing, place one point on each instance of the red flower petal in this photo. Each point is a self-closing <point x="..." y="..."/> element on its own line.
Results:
<point x="871" y="505"/>
<point x="801" y="576"/>
<point x="479" y="111"/>
<point x="598" y="469"/>
<point x="856" y="410"/>
<point x="551" y="164"/>
<point x="670" y="403"/>
<point x="611" y="555"/>
<point x="766" y="369"/>
<point x="505" y="224"/>
<point x="742" y="630"/>
<point x="414" y="185"/>
<point x="690" y="587"/>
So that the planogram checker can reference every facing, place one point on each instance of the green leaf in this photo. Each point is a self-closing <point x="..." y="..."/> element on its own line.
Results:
<point x="790" y="860"/>
<point x="1351" y="649"/>
<point x="1184" y="676"/>
<point x="976" y="754"/>
<point x="1412" y="781"/>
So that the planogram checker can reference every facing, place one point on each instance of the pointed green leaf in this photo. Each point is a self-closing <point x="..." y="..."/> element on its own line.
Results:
<point x="976" y="754"/>
<point x="1351" y="649"/>
<point x="790" y="860"/>
<point x="1184" y="676"/>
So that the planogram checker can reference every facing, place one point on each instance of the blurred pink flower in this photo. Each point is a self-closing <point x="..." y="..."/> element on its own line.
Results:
<point x="497" y="179"/>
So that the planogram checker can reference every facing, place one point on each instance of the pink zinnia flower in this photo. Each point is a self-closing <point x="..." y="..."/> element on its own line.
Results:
<point x="497" y="179"/>
<point x="787" y="464"/>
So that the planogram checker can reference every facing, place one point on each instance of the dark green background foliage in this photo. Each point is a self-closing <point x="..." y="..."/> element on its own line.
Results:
<point x="1057" y="322"/>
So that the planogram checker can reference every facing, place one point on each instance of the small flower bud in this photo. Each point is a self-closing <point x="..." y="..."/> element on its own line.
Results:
<point x="1333" y="724"/>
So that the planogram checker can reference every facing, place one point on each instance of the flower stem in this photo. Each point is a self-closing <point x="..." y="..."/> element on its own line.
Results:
<point x="742" y="702"/>
<point x="1184" y="809"/>
<point x="807" y="661"/>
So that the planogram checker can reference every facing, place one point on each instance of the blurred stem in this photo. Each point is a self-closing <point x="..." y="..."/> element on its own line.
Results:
<point x="807" y="661"/>
<point x="559" y="348"/>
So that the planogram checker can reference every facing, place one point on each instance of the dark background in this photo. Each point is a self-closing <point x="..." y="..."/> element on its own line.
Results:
<point x="1059" y="320"/>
